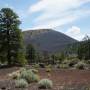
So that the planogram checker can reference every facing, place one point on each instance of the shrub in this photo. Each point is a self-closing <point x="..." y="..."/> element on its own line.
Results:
<point x="80" y="65"/>
<point x="34" y="71"/>
<point x="45" y="84"/>
<point x="65" y="62"/>
<point x="42" y="65"/>
<point x="21" y="83"/>
<point x="73" y="61"/>
<point x="29" y="76"/>
<point x="48" y="68"/>
<point x="64" y="66"/>
<point x="35" y="78"/>
<point x="36" y="66"/>
<point x="22" y="69"/>
<point x="88" y="61"/>
<point x="14" y="75"/>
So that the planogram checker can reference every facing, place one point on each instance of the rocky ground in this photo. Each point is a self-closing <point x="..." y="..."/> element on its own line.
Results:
<point x="77" y="79"/>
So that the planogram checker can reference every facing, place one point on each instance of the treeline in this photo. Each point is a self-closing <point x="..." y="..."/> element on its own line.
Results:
<point x="80" y="49"/>
<point x="84" y="49"/>
<point x="34" y="56"/>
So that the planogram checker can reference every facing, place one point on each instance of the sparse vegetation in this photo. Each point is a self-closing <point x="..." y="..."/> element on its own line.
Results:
<point x="34" y="71"/>
<point x="36" y="66"/>
<point x="29" y="76"/>
<point x="48" y="68"/>
<point x="45" y="84"/>
<point x="80" y="65"/>
<point x="21" y="83"/>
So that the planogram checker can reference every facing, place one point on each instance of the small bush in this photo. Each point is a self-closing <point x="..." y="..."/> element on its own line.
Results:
<point x="73" y="61"/>
<point x="29" y="76"/>
<point x="21" y="83"/>
<point x="80" y="65"/>
<point x="64" y="66"/>
<point x="35" y="78"/>
<point x="36" y="66"/>
<point x="48" y="68"/>
<point x="87" y="62"/>
<point x="15" y="76"/>
<point x="65" y="62"/>
<point x="57" y="66"/>
<point x="45" y="84"/>
<point x="42" y="65"/>
<point x="34" y="71"/>
<point x="22" y="69"/>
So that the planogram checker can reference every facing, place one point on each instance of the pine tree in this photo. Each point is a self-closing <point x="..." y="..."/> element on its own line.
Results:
<point x="10" y="35"/>
<point x="31" y="53"/>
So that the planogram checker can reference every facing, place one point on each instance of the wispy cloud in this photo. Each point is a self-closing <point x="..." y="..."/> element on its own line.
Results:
<point x="57" y="12"/>
<point x="75" y="32"/>
<point x="57" y="5"/>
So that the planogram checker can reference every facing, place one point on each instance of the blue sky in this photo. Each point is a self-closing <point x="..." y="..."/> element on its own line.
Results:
<point x="71" y="17"/>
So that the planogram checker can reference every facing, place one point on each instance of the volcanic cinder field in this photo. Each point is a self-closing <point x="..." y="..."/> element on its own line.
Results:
<point x="77" y="79"/>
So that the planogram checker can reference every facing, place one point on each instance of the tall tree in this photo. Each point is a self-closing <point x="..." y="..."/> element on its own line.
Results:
<point x="10" y="35"/>
<point x="31" y="53"/>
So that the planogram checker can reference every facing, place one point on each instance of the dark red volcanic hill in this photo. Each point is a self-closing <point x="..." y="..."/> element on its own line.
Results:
<point x="47" y="39"/>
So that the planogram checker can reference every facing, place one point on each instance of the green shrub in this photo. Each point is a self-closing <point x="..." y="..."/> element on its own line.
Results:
<point x="22" y="69"/>
<point x="45" y="84"/>
<point x="80" y="65"/>
<point x="34" y="71"/>
<point x="35" y="78"/>
<point x="65" y="62"/>
<point x="21" y="83"/>
<point x="36" y="66"/>
<point x="49" y="66"/>
<point x="64" y="66"/>
<point x="29" y="76"/>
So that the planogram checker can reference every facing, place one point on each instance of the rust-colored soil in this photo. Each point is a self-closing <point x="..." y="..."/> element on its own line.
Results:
<point x="59" y="77"/>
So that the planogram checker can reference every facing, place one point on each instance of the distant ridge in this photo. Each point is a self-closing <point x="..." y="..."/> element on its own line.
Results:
<point x="47" y="40"/>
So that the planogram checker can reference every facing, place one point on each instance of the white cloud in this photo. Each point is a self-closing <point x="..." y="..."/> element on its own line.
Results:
<point x="57" y="12"/>
<point x="75" y="32"/>
<point x="55" y="23"/>
<point x="61" y="5"/>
